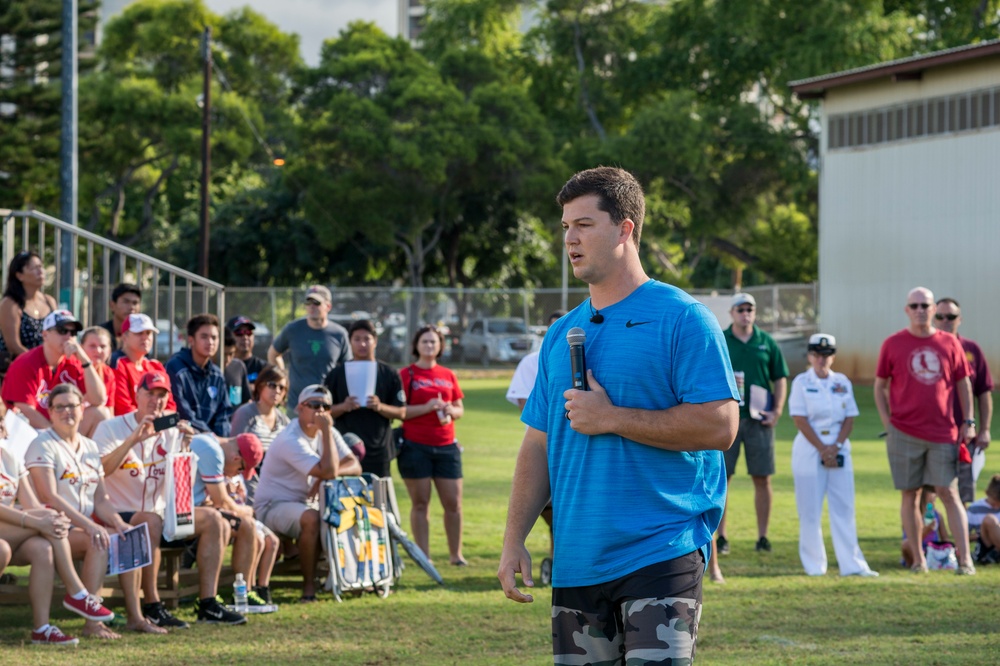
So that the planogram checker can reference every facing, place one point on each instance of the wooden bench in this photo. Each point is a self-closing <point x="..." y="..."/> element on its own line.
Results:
<point x="174" y="583"/>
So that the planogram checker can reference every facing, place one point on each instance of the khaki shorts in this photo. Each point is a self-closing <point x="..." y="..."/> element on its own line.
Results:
<point x="284" y="518"/>
<point x="917" y="462"/>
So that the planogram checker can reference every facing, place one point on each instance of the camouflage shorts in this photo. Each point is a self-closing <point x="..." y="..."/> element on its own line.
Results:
<point x="608" y="625"/>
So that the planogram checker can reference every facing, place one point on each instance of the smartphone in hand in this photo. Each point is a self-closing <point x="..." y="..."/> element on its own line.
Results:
<point x="166" y="421"/>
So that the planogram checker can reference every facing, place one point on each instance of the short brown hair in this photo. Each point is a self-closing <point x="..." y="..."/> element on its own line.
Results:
<point x="197" y="321"/>
<point x="993" y="490"/>
<point x="618" y="192"/>
<point x="420" y="332"/>
<point x="269" y="373"/>
<point x="62" y="389"/>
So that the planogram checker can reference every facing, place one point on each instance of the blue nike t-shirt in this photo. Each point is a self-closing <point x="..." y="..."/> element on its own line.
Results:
<point x="619" y="505"/>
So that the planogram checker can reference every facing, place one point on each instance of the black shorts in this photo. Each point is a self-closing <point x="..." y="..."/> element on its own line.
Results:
<point x="180" y="543"/>
<point x="651" y="613"/>
<point x="419" y="461"/>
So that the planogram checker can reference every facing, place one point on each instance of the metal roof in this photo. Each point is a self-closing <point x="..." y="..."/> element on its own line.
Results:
<point x="903" y="69"/>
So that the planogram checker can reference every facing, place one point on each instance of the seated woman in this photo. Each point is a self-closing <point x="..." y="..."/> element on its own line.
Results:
<point x="96" y="343"/>
<point x="31" y="535"/>
<point x="262" y="416"/>
<point x="65" y="469"/>
<point x="23" y="307"/>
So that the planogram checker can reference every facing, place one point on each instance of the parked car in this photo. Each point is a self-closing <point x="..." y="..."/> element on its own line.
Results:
<point x="492" y="340"/>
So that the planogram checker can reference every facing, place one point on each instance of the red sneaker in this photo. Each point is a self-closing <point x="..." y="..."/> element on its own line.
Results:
<point x="52" y="636"/>
<point x="89" y="607"/>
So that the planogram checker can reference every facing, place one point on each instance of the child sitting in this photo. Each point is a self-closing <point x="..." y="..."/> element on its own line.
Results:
<point x="984" y="521"/>
<point x="933" y="530"/>
<point x="267" y="543"/>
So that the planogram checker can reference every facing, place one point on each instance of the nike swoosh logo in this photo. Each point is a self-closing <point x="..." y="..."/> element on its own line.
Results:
<point x="630" y="323"/>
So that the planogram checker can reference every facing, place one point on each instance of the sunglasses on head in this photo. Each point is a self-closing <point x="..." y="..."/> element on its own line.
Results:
<point x="317" y="406"/>
<point x="949" y="317"/>
<point x="922" y="306"/>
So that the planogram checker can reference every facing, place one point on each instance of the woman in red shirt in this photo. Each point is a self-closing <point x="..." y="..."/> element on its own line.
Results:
<point x="430" y="451"/>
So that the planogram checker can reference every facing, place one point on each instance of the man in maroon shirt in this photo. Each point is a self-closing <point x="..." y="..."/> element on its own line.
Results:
<point x="58" y="360"/>
<point x="920" y="369"/>
<point x="948" y="318"/>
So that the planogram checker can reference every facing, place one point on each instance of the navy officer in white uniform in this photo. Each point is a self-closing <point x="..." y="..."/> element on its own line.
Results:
<point x="822" y="405"/>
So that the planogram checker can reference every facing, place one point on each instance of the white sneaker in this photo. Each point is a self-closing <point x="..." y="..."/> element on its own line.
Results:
<point x="864" y="573"/>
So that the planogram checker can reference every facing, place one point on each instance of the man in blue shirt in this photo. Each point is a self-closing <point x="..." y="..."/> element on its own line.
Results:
<point x="661" y="407"/>
<point x="199" y="387"/>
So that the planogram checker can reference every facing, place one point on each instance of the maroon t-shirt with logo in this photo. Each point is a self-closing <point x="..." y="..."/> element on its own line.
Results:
<point x="923" y="373"/>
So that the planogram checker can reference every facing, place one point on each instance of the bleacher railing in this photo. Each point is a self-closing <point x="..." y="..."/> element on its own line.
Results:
<point x="171" y="295"/>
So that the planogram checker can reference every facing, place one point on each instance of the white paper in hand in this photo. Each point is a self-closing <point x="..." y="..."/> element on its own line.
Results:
<point x="761" y="400"/>
<point x="361" y="379"/>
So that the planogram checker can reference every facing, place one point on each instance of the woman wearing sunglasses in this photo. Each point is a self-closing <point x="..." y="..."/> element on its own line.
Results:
<point x="262" y="416"/>
<point x="430" y="451"/>
<point x="23" y="308"/>
<point x="32" y="535"/>
<point x="66" y="472"/>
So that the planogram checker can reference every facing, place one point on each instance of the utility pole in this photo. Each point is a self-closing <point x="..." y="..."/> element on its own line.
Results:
<point x="69" y="167"/>
<point x="206" y="150"/>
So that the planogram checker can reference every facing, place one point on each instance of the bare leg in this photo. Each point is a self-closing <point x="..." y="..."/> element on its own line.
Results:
<point x="762" y="495"/>
<point x="989" y="532"/>
<point x="136" y="621"/>
<point x="245" y="549"/>
<point x="37" y="552"/>
<point x="6" y="553"/>
<point x="450" y="493"/>
<point x="420" y="508"/>
<point x="268" y="556"/>
<point x="714" y="570"/>
<point x="150" y="593"/>
<point x="309" y="550"/>
<point x="213" y="535"/>
<point x="95" y="563"/>
<point x="725" y="510"/>
<point x="909" y="514"/>
<point x="958" y="521"/>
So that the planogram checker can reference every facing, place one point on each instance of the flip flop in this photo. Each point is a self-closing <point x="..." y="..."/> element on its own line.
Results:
<point x="460" y="563"/>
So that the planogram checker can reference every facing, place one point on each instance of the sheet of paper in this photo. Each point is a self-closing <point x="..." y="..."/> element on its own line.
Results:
<point x="19" y="434"/>
<point x="361" y="379"/>
<point x="761" y="400"/>
<point x="129" y="550"/>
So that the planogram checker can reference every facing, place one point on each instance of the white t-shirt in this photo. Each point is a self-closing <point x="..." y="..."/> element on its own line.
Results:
<point x="524" y="379"/>
<point x="285" y="474"/>
<point x="138" y="483"/>
<point x="77" y="472"/>
<point x="12" y="475"/>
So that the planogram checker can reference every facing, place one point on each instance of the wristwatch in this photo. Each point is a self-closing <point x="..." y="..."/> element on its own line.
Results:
<point x="969" y="422"/>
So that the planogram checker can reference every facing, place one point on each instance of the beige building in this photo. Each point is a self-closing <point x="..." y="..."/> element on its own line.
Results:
<point x="909" y="195"/>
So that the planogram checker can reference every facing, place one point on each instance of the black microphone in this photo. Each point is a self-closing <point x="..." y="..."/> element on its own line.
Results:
<point x="578" y="365"/>
<point x="598" y="318"/>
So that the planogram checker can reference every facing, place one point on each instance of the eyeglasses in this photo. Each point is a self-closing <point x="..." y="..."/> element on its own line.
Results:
<point x="243" y="333"/>
<point x="922" y="306"/>
<point x="64" y="408"/>
<point x="949" y="317"/>
<point x="276" y="386"/>
<point x="744" y="310"/>
<point x="317" y="406"/>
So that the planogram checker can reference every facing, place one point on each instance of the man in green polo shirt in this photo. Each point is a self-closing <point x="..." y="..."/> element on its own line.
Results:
<point x="756" y="361"/>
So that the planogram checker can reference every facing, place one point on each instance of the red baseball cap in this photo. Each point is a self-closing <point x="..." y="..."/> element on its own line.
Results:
<point x="154" y="380"/>
<point x="252" y="451"/>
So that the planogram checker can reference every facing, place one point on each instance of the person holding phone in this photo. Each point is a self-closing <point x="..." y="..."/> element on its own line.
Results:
<point x="823" y="407"/>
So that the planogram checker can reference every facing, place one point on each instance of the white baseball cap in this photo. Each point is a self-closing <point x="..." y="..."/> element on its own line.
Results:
<point x="315" y="391"/>
<point x="64" y="317"/>
<point x="741" y="299"/>
<point x="137" y="323"/>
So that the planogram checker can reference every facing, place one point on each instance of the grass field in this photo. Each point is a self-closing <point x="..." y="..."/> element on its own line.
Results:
<point x="768" y="612"/>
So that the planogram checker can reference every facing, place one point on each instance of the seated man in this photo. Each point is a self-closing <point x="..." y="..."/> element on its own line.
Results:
<point x="133" y="456"/>
<point x="58" y="360"/>
<point x="199" y="385"/>
<point x="984" y="518"/>
<point x="136" y="343"/>
<point x="218" y="459"/>
<point x="285" y="500"/>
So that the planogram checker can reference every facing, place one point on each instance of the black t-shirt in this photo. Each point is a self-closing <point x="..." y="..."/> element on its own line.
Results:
<point x="373" y="429"/>
<point x="254" y="365"/>
<point x="236" y="380"/>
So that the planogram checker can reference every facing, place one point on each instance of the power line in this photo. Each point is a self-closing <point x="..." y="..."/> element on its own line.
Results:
<point x="246" y="117"/>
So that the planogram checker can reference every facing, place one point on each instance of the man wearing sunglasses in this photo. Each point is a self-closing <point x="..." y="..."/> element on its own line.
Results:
<point x="58" y="360"/>
<point x="309" y="449"/>
<point x="948" y="318"/>
<point x="243" y="330"/>
<point x="757" y="361"/>
<point x="920" y="369"/>
<point x="315" y="345"/>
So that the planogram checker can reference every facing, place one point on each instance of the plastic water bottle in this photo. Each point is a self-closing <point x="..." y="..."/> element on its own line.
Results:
<point x="240" y="594"/>
<point x="929" y="516"/>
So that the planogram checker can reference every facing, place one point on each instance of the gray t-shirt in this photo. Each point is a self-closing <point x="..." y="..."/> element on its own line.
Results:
<point x="314" y="353"/>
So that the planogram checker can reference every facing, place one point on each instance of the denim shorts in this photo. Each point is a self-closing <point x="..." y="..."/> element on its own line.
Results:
<point x="419" y="461"/>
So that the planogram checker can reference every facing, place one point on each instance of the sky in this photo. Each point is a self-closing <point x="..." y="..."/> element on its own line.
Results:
<point x="312" y="20"/>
